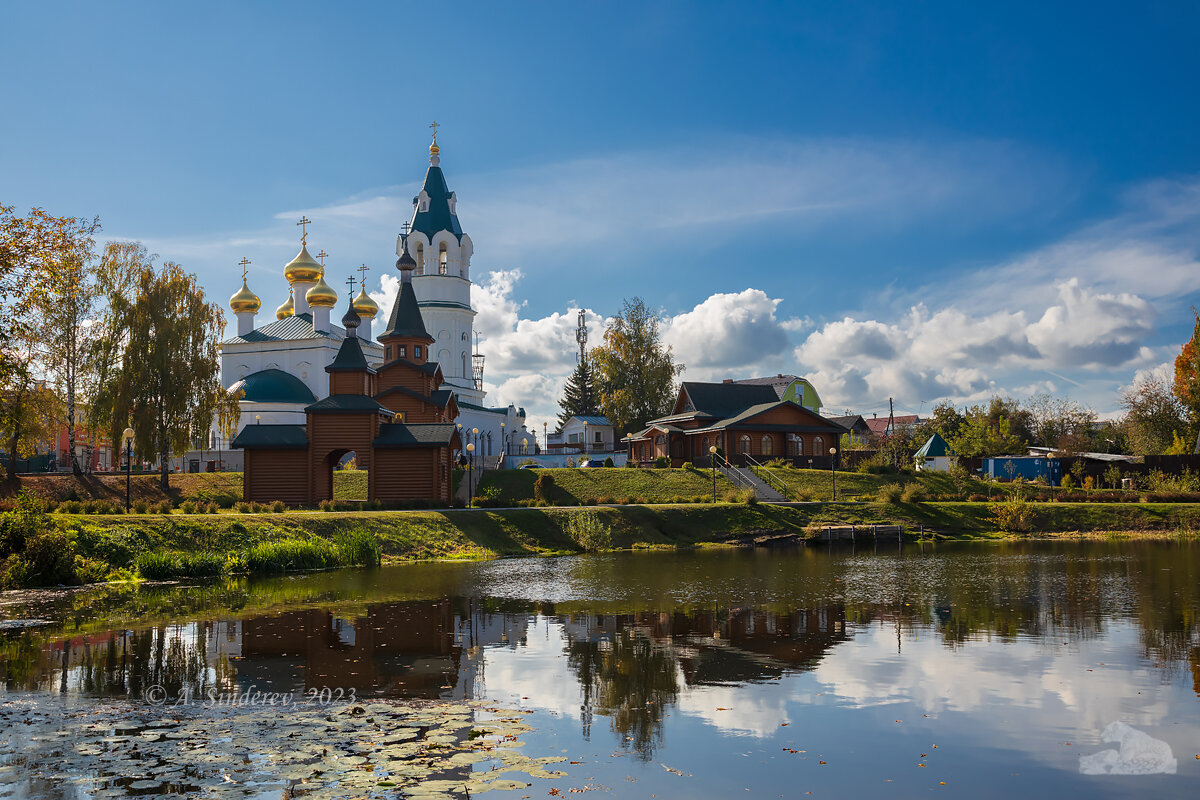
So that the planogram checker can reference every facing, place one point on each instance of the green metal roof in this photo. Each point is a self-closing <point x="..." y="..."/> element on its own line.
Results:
<point x="271" y="436"/>
<point x="297" y="326"/>
<point x="438" y="217"/>
<point x="273" y="386"/>
<point x="935" y="447"/>
<point x="397" y="434"/>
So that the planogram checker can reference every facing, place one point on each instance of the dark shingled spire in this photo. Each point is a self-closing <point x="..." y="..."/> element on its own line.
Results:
<point x="350" y="355"/>
<point x="406" y="321"/>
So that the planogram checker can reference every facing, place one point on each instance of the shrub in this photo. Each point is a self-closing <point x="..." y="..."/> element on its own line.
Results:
<point x="188" y="507"/>
<point x="588" y="530"/>
<point x="606" y="500"/>
<point x="226" y="500"/>
<point x="662" y="462"/>
<point x="688" y="466"/>
<point x="608" y="462"/>
<point x="913" y="493"/>
<point x="211" y="507"/>
<point x="891" y="493"/>
<point x="278" y="507"/>
<point x="749" y="498"/>
<point x="1067" y="483"/>
<point x="1013" y="515"/>
<point x="163" y="507"/>
<point x="140" y="506"/>
<point x="157" y="566"/>
<point x="244" y="507"/>
<point x="70" y="507"/>
<point x="543" y="487"/>
<point x="360" y="548"/>
<point x="977" y="498"/>
<point x="275" y="557"/>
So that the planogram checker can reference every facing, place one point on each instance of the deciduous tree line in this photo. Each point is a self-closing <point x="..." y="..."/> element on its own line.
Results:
<point x="100" y="340"/>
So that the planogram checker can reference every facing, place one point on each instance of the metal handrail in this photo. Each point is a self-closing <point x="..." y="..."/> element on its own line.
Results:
<point x="733" y="474"/>
<point x="766" y="475"/>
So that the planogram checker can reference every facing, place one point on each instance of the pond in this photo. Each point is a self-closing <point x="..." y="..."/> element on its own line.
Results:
<point x="1031" y="669"/>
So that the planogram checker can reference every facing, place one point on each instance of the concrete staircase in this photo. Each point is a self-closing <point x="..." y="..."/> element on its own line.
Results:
<point x="744" y="478"/>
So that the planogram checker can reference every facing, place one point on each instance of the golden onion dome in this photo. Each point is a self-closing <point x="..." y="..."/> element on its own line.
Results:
<point x="303" y="268"/>
<point x="245" y="300"/>
<point x="322" y="295"/>
<point x="433" y="148"/>
<point x="364" y="306"/>
<point x="287" y="309"/>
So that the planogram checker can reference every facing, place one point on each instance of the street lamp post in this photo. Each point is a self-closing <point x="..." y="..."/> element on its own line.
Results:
<point x="585" y="427"/>
<point x="128" y="437"/>
<point x="712" y="462"/>
<point x="503" y="440"/>
<point x="833" y="470"/>
<point x="471" y="474"/>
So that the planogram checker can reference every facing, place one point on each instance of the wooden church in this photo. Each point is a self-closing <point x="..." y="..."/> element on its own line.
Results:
<point x="396" y="419"/>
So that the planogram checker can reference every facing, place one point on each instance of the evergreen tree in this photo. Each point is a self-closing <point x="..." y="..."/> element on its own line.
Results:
<point x="580" y="397"/>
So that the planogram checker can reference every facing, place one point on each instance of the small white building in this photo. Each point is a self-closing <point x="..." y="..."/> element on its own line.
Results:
<point x="935" y="455"/>
<point x="584" y="434"/>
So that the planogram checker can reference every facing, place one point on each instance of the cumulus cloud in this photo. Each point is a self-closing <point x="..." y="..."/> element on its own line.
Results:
<point x="726" y="331"/>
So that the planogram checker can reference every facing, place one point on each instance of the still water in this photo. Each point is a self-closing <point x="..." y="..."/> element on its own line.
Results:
<point x="977" y="670"/>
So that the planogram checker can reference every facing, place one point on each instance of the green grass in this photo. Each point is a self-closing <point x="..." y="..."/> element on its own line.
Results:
<point x="350" y="484"/>
<point x="580" y="486"/>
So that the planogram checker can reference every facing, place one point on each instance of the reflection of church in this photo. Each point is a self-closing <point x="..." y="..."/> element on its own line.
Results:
<point x="280" y="367"/>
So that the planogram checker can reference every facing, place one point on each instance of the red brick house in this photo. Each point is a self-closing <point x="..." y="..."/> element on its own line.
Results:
<point x="742" y="420"/>
<point x="397" y="420"/>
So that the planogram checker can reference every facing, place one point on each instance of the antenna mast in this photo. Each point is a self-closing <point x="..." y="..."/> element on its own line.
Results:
<point x="581" y="336"/>
<point x="477" y="366"/>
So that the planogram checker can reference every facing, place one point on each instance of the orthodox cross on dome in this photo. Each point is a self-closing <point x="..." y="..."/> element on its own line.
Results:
<point x="245" y="262"/>
<point x="322" y="255"/>
<point x="435" y="126"/>
<point x="304" y="223"/>
<point x="351" y="282"/>
<point x="363" y="270"/>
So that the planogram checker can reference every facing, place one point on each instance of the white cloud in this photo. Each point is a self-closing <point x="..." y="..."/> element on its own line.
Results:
<point x="728" y="331"/>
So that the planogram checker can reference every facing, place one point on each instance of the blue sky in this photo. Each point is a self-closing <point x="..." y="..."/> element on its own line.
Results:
<point x="929" y="201"/>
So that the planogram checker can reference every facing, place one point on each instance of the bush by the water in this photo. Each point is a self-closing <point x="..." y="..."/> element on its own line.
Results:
<point x="164" y="566"/>
<point x="1014" y="514"/>
<point x="34" y="552"/>
<point x="914" y="493"/>
<point x="890" y="493"/>
<point x="588" y="530"/>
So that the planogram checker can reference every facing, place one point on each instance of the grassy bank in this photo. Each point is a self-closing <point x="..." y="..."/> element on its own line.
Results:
<point x="68" y="549"/>
<point x="601" y="485"/>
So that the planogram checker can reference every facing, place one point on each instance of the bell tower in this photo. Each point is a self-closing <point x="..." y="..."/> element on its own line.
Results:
<point x="441" y="280"/>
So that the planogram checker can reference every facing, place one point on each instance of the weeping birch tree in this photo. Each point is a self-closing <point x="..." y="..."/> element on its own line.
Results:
<point x="156" y="356"/>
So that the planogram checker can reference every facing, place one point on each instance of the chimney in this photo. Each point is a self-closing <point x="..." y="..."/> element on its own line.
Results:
<point x="727" y="380"/>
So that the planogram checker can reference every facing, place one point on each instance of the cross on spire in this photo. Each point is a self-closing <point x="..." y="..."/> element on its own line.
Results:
<point x="322" y="255"/>
<point x="351" y="281"/>
<point x="363" y="271"/>
<point x="404" y="227"/>
<point x="435" y="126"/>
<point x="304" y="223"/>
<point x="245" y="262"/>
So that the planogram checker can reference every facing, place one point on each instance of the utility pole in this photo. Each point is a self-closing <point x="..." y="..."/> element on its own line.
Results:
<point x="581" y="335"/>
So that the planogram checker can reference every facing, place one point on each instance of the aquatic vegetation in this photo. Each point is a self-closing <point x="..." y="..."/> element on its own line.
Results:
<point x="231" y="747"/>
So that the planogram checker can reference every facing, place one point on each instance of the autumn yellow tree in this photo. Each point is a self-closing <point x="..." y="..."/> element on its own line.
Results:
<point x="1187" y="383"/>
<point x="157" y="356"/>
<point x="636" y="370"/>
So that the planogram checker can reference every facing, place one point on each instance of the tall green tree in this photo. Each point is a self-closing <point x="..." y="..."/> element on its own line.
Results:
<point x="1154" y="417"/>
<point x="1187" y="383"/>
<point x="160" y="340"/>
<point x="636" y="370"/>
<point x="980" y="435"/>
<point x="580" y="395"/>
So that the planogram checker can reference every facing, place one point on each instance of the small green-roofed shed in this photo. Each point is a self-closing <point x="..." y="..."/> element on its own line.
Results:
<point x="935" y="447"/>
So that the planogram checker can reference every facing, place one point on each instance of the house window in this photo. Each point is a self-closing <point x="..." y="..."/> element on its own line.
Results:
<point x="417" y="352"/>
<point x="420" y="254"/>
<point x="443" y="258"/>
<point x="744" y="444"/>
<point x="797" y="446"/>
<point x="704" y="446"/>
<point x="402" y="351"/>
<point x="766" y="445"/>
<point x="818" y="446"/>
<point x="599" y="437"/>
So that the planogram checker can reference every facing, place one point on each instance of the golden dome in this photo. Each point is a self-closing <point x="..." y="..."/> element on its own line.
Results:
<point x="287" y="309"/>
<point x="245" y="300"/>
<point x="433" y="148"/>
<point x="322" y="295"/>
<point x="364" y="306"/>
<point x="303" y="268"/>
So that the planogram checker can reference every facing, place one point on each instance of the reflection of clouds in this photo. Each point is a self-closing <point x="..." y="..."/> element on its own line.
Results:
<point x="753" y="709"/>
<point x="521" y="672"/>
<point x="1025" y="673"/>
<point x="1140" y="754"/>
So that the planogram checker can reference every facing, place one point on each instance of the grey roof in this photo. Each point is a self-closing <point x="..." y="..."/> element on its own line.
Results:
<point x="297" y="326"/>
<point x="349" y="357"/>
<point x="438" y="217"/>
<point x="273" y="386"/>
<point x="343" y="403"/>
<point x="591" y="420"/>
<point x="754" y="410"/>
<point x="271" y="436"/>
<point x="439" y="398"/>
<point x="429" y="367"/>
<point x="406" y="321"/>
<point x="727" y="399"/>
<point x="777" y="382"/>
<point x="851" y="422"/>
<point x="396" y="434"/>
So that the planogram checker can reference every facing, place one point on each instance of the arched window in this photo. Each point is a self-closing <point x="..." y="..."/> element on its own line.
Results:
<point x="818" y="446"/>
<point x="660" y="445"/>
<point x="443" y="259"/>
<point x="766" y="445"/>
<point x="797" y="446"/>
<point x="744" y="444"/>
<point x="524" y="446"/>
<point x="704" y="446"/>
<point x="420" y="256"/>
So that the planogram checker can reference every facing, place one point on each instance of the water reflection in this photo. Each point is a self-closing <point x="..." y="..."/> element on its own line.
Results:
<point x="627" y="641"/>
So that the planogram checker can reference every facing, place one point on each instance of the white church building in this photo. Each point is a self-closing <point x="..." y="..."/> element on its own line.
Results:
<point x="279" y="367"/>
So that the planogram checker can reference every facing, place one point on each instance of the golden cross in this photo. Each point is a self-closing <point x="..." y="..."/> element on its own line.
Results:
<point x="364" y="269"/>
<point x="304" y="223"/>
<point x="322" y="255"/>
<point x="350" y="281"/>
<point x="245" y="262"/>
<point x="435" y="126"/>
